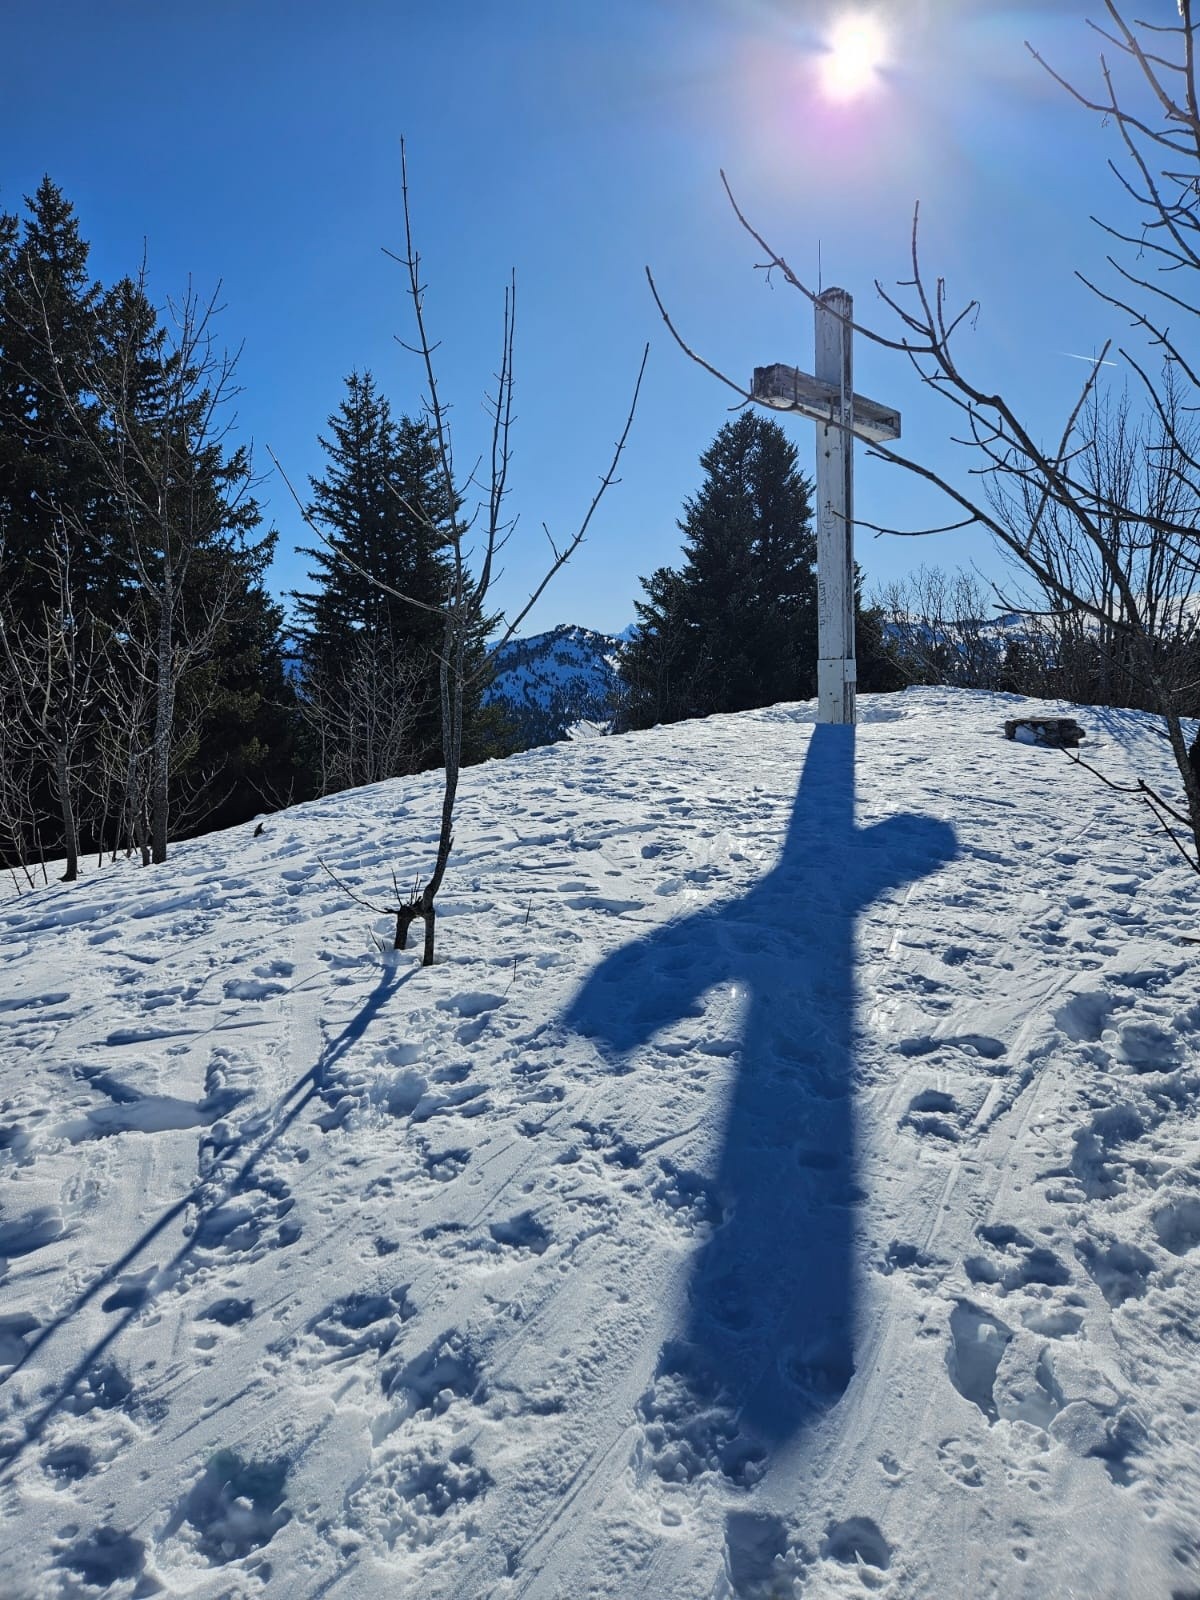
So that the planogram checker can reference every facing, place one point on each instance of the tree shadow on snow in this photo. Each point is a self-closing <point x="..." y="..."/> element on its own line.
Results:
<point x="241" y="1158"/>
<point x="768" y="1332"/>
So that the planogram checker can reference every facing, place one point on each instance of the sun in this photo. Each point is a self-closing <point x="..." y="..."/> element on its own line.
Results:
<point x="855" y="51"/>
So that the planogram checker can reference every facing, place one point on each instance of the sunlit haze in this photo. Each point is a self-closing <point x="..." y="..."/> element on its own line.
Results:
<point x="856" y="51"/>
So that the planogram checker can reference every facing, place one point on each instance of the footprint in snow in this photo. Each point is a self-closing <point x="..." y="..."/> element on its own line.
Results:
<point x="934" y="1114"/>
<point x="228" y="1313"/>
<point x="858" y="1542"/>
<point x="894" y="1471"/>
<point x="369" y="1321"/>
<point x="15" y="1328"/>
<point x="34" y="1002"/>
<point x="448" y="1373"/>
<point x="1177" y="1224"/>
<point x="762" y="1561"/>
<point x="471" y="1004"/>
<point x="688" y="1198"/>
<point x="252" y="989"/>
<point x="1121" y="1271"/>
<point x="105" y="1387"/>
<point x="975" y="1045"/>
<point x="475" y="1009"/>
<point x="960" y="1464"/>
<point x="977" y="1344"/>
<point x="1096" y="1161"/>
<point x="105" y="1557"/>
<point x="132" y="1291"/>
<point x="30" y="1233"/>
<point x="1085" y="1015"/>
<point x="1012" y="1261"/>
<point x="605" y="903"/>
<point x="926" y="1271"/>
<point x="419" y="1497"/>
<point x="235" y="1507"/>
<point x="443" y="1165"/>
<point x="689" y="1428"/>
<point x="522" y="1232"/>
<point x="250" y="1217"/>
<point x="1149" y="1047"/>
<point x="274" y="969"/>
<point x="611" y="1145"/>
<point x="1052" y="1322"/>
<point x="68" y="1462"/>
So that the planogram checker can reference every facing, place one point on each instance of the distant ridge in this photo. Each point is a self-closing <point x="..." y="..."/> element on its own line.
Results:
<point x="551" y="681"/>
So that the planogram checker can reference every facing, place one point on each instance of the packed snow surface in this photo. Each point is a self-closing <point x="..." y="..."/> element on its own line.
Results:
<point x="784" y="1184"/>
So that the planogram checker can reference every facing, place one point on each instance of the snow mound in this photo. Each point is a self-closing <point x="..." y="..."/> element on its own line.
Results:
<point x="784" y="1184"/>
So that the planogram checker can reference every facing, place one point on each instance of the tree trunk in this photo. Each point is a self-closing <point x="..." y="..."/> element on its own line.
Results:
<point x="1188" y="762"/>
<point x="451" y="675"/>
<point x="141" y="835"/>
<point x="164" y="717"/>
<point x="62" y="779"/>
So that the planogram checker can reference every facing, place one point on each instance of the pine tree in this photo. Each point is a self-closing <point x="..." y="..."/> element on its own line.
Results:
<point x="51" y="544"/>
<point x="735" y="626"/>
<point x="183" y="503"/>
<point x="48" y="319"/>
<point x="370" y="652"/>
<point x="130" y="576"/>
<point x="240" y="699"/>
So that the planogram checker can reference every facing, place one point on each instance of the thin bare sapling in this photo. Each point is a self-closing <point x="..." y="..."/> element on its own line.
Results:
<point x="471" y="633"/>
<point x="1098" y="550"/>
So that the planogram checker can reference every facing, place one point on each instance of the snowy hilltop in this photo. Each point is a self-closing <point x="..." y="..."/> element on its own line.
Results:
<point x="551" y="681"/>
<point x="784" y="1184"/>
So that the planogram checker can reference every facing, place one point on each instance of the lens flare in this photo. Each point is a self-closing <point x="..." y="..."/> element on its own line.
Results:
<point x="856" y="50"/>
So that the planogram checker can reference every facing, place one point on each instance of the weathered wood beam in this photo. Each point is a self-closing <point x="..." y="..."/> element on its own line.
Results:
<point x="788" y="389"/>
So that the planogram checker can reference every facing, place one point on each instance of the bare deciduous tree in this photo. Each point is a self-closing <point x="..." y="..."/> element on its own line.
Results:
<point x="1110" y="656"/>
<point x="362" y="713"/>
<point x="1097" y="547"/>
<point x="52" y="673"/>
<point x="20" y="842"/>
<point x="163" y="396"/>
<point x="474" y="545"/>
<point x="941" y="631"/>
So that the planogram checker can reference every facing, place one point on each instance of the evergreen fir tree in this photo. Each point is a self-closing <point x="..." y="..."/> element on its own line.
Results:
<point x="122" y="507"/>
<point x="244" y="757"/>
<point x="51" y="543"/>
<point x="383" y="509"/>
<point x="735" y="626"/>
<point x="48" y="322"/>
<point x="185" y="513"/>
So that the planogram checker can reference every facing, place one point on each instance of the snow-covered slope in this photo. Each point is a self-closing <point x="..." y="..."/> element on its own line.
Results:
<point x="551" y="681"/>
<point x="758" y="1198"/>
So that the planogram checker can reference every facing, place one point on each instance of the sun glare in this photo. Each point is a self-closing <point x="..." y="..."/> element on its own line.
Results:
<point x="855" y="53"/>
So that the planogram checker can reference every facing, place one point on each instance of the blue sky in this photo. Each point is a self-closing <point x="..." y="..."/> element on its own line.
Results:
<point x="256" y="142"/>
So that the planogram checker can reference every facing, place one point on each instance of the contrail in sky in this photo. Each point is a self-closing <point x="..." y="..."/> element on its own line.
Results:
<point x="1095" y="360"/>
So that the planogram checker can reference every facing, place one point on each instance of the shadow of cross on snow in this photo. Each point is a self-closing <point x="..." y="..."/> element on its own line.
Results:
<point x="771" y="1298"/>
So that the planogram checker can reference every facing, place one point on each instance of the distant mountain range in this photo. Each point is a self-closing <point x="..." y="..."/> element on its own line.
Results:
<point x="552" y="681"/>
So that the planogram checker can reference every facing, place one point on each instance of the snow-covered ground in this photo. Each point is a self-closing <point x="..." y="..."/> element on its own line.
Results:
<point x="760" y="1197"/>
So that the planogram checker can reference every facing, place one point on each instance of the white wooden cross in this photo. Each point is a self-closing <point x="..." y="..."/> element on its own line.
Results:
<point x="841" y="417"/>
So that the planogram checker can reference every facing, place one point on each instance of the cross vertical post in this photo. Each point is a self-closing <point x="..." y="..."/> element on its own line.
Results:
<point x="841" y="416"/>
<point x="836" y="667"/>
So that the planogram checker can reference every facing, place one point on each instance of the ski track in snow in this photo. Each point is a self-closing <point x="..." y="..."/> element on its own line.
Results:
<point x="326" y="1275"/>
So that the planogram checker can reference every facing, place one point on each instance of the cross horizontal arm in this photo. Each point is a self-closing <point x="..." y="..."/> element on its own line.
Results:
<point x="789" y="389"/>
